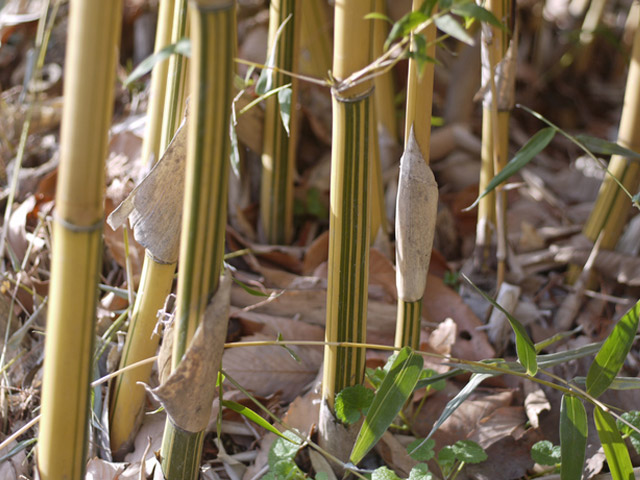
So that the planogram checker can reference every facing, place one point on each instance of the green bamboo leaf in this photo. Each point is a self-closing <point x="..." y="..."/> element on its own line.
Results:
<point x="403" y="27"/>
<point x="181" y="47"/>
<point x="455" y="402"/>
<point x="611" y="356"/>
<point x="252" y="291"/>
<point x="449" y="25"/>
<point x="573" y="437"/>
<point x="534" y="146"/>
<point x="266" y="80"/>
<point x="604" y="147"/>
<point x="284" y="101"/>
<point x="258" y="420"/>
<point x="614" y="447"/>
<point x="472" y="10"/>
<point x="525" y="348"/>
<point x="378" y="16"/>
<point x="388" y="401"/>
<point x="618" y="383"/>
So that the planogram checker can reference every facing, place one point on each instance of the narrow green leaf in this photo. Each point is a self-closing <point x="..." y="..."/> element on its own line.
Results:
<point x="250" y="290"/>
<point x="388" y="401"/>
<point x="534" y="146"/>
<point x="611" y="356"/>
<point x="525" y="348"/>
<point x="449" y="25"/>
<point x="265" y="82"/>
<point x="181" y="47"/>
<point x="604" y="147"/>
<point x="378" y="16"/>
<point x="455" y="402"/>
<point x="614" y="447"/>
<point x="404" y="26"/>
<point x="258" y="420"/>
<point x="284" y="101"/>
<point x="618" y="383"/>
<point x="472" y="10"/>
<point x="573" y="437"/>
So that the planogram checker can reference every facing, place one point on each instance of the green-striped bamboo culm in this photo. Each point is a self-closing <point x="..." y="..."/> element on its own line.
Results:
<point x="280" y="141"/>
<point x="349" y="230"/>
<point x="213" y="37"/>
<point x="93" y="37"/>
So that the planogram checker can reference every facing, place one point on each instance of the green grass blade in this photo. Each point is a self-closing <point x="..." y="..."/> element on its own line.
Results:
<point x="181" y="47"/>
<point x="614" y="447"/>
<point x="573" y="437"/>
<point x="604" y="147"/>
<point x="455" y="402"/>
<point x="255" y="418"/>
<point x="524" y="346"/>
<point x="534" y="146"/>
<point x="611" y="356"/>
<point x="396" y="388"/>
<point x="471" y="10"/>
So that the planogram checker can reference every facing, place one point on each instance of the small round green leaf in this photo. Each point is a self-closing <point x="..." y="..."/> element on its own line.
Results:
<point x="469" y="451"/>
<point x="352" y="402"/>
<point x="420" y="450"/>
<point x="545" y="453"/>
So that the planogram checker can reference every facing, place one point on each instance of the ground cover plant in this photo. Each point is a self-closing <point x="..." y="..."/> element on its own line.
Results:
<point x="309" y="239"/>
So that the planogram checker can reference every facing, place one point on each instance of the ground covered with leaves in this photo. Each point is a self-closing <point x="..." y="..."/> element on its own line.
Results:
<point x="280" y="294"/>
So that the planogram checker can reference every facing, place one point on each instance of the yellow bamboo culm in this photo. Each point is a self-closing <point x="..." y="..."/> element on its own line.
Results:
<point x="93" y="36"/>
<point x="127" y="397"/>
<point x="213" y="38"/>
<point x="279" y="149"/>
<point x="612" y="206"/>
<point x="417" y="202"/>
<point x="498" y="83"/>
<point x="151" y="143"/>
<point x="315" y="39"/>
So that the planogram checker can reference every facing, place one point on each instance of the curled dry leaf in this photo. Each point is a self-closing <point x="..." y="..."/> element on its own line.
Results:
<point x="187" y="395"/>
<point x="154" y="207"/>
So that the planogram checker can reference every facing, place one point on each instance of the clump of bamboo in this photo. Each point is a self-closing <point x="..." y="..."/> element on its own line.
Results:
<point x="612" y="206"/>
<point x="213" y="39"/>
<point x="280" y="140"/>
<point x="349" y="218"/>
<point x="417" y="202"/>
<point x="498" y="80"/>
<point x="94" y="32"/>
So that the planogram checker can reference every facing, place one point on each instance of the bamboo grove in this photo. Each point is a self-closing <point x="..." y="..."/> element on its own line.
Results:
<point x="191" y="109"/>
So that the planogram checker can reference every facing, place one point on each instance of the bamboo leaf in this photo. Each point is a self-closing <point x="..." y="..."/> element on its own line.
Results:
<point x="573" y="437"/>
<point x="181" y="47"/>
<point x="404" y="26"/>
<point x="388" y="401"/>
<point x="604" y="147"/>
<point x="378" y="16"/>
<point x="449" y="25"/>
<point x="455" y="402"/>
<point x="258" y="420"/>
<point x="284" y="100"/>
<point x="472" y="10"/>
<point x="618" y="383"/>
<point x="525" y="348"/>
<point x="611" y="356"/>
<point x="534" y="146"/>
<point x="614" y="447"/>
<point x="265" y="82"/>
